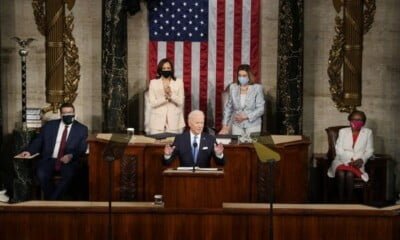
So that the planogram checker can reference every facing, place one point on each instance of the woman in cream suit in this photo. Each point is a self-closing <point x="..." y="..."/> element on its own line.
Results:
<point x="245" y="105"/>
<point x="166" y="98"/>
<point x="354" y="147"/>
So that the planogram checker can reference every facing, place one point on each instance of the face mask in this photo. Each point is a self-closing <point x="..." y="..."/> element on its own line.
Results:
<point x="243" y="80"/>
<point x="166" y="74"/>
<point x="68" y="119"/>
<point x="356" y="125"/>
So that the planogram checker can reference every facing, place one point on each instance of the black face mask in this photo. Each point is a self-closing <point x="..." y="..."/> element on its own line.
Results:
<point x="68" y="119"/>
<point x="166" y="74"/>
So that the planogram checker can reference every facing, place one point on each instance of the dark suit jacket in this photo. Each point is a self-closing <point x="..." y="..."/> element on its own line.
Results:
<point x="183" y="150"/>
<point x="44" y="143"/>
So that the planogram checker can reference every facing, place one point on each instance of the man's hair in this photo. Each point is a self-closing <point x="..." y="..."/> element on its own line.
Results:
<point x="67" y="105"/>
<point x="195" y="112"/>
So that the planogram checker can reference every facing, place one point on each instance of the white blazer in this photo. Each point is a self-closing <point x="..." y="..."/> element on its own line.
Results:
<point x="363" y="148"/>
<point x="161" y="110"/>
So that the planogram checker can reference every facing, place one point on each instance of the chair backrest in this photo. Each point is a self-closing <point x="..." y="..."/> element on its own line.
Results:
<point x="332" y="133"/>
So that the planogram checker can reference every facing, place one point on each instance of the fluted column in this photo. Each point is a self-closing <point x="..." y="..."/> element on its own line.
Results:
<point x="55" y="13"/>
<point x="353" y="35"/>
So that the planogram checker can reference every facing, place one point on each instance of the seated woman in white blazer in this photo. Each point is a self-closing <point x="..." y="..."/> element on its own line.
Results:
<point x="245" y="105"/>
<point x="166" y="98"/>
<point x="354" y="147"/>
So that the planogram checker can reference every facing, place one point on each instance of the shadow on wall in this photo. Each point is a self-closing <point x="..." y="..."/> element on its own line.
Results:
<point x="269" y="118"/>
<point x="136" y="112"/>
<point x="97" y="122"/>
<point x="381" y="145"/>
<point x="391" y="45"/>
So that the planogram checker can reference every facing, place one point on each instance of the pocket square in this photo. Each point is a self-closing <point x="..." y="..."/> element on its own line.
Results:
<point x="204" y="148"/>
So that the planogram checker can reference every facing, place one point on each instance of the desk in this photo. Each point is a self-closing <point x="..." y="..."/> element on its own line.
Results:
<point x="137" y="176"/>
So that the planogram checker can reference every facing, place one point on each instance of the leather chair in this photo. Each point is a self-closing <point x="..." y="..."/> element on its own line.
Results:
<point x="79" y="189"/>
<point x="324" y="162"/>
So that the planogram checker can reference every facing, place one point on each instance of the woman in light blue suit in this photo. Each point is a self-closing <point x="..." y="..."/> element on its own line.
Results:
<point x="245" y="104"/>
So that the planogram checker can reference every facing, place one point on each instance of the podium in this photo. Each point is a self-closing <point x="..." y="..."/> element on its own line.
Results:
<point x="188" y="189"/>
<point x="138" y="174"/>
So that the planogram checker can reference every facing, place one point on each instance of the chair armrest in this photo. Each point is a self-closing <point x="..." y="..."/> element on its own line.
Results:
<point x="321" y="160"/>
<point x="378" y="162"/>
<point x="381" y="157"/>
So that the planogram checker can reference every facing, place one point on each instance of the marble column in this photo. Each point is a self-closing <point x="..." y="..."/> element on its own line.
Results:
<point x="114" y="66"/>
<point x="290" y="67"/>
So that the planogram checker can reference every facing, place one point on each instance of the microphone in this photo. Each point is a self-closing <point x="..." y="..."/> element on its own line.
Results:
<point x="194" y="160"/>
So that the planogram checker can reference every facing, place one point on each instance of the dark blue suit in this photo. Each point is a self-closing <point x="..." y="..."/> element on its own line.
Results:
<point x="44" y="144"/>
<point x="183" y="150"/>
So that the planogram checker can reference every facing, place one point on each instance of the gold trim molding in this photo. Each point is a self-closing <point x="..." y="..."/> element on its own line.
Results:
<point x="345" y="55"/>
<point x="69" y="56"/>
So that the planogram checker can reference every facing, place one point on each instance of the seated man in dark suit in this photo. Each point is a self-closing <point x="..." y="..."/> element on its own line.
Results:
<point x="60" y="144"/>
<point x="194" y="147"/>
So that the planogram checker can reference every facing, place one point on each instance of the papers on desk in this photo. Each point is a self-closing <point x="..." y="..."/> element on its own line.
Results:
<point x="285" y="138"/>
<point x="160" y="136"/>
<point x="225" y="138"/>
<point x="19" y="156"/>
<point x="125" y="138"/>
<point x="265" y="139"/>
<point x="167" y="140"/>
<point x="197" y="169"/>
<point x="141" y="139"/>
<point x="224" y="141"/>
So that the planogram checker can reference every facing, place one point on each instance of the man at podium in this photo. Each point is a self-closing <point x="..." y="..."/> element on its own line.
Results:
<point x="194" y="147"/>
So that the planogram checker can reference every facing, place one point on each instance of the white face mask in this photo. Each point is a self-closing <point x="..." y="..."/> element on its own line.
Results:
<point x="243" y="80"/>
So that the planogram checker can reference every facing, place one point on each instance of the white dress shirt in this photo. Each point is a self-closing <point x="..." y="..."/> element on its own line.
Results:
<point x="58" y="139"/>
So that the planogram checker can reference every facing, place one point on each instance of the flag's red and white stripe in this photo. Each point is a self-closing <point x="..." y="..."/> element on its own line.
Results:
<point x="207" y="68"/>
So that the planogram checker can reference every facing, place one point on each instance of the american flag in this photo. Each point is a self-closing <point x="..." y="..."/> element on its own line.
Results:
<point x="206" y="40"/>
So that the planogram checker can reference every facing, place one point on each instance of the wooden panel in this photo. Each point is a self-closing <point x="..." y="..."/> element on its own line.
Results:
<point x="240" y="174"/>
<point x="86" y="220"/>
<point x="99" y="172"/>
<point x="291" y="173"/>
<point x="193" y="189"/>
<point x="152" y="171"/>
